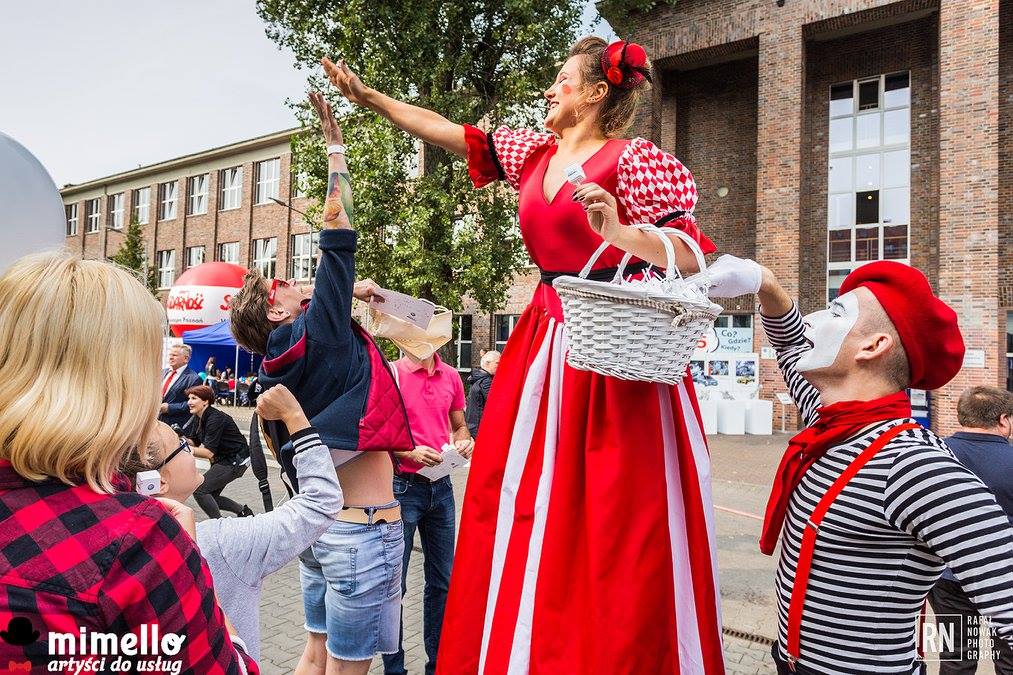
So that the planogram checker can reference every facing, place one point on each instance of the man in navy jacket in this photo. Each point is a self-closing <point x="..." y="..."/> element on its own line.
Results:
<point x="176" y="379"/>
<point x="983" y="446"/>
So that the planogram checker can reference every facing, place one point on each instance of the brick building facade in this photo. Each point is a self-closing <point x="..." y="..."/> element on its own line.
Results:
<point x="827" y="133"/>
<point x="213" y="205"/>
<point x="222" y="209"/>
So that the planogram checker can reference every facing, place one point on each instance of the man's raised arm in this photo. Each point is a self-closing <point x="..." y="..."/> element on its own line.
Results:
<point x="338" y="207"/>
<point x="328" y="318"/>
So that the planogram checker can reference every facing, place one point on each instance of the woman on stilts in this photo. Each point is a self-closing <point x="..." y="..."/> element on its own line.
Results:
<point x="587" y="536"/>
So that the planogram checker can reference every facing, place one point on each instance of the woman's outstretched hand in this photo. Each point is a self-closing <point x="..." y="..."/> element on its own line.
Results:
<point x="347" y="82"/>
<point x="329" y="125"/>
<point x="602" y="212"/>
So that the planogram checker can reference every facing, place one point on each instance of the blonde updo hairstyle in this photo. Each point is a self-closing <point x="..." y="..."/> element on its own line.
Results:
<point x="620" y="105"/>
<point x="80" y="362"/>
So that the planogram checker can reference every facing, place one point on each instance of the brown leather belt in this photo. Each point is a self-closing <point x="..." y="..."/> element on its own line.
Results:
<point x="369" y="515"/>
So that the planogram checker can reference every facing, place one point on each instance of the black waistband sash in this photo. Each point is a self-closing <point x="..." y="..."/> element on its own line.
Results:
<point x="596" y="275"/>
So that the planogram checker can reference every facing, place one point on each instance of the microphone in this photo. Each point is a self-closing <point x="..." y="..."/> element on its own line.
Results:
<point x="148" y="482"/>
<point x="574" y="174"/>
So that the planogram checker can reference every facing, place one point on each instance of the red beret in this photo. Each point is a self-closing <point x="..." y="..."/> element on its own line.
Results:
<point x="926" y="325"/>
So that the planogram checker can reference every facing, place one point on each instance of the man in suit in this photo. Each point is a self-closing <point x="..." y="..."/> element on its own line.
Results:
<point x="176" y="379"/>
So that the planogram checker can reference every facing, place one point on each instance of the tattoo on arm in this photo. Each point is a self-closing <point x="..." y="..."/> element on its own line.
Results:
<point x="339" y="197"/>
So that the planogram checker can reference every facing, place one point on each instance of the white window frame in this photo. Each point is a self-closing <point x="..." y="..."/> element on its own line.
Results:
<point x="197" y="194"/>
<point x="70" y="211"/>
<point x="228" y="246"/>
<point x="92" y="215"/>
<point x="142" y="207"/>
<point x="727" y="320"/>
<point x="268" y="180"/>
<point x="458" y="326"/>
<point x="191" y="260"/>
<point x="853" y="154"/>
<point x="303" y="256"/>
<point x="511" y="324"/>
<point x="116" y="209"/>
<point x="264" y="254"/>
<point x="1009" y="353"/>
<point x="230" y="188"/>
<point x="168" y="200"/>
<point x="166" y="261"/>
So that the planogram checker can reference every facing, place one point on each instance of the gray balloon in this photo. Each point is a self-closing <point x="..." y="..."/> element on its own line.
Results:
<point x="31" y="211"/>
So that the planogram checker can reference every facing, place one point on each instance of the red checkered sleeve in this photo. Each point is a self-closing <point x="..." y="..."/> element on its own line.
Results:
<point x="655" y="187"/>
<point x="159" y="577"/>
<point x="500" y="155"/>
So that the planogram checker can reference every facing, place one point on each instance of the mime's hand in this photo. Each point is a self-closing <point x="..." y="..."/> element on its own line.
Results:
<point x="731" y="277"/>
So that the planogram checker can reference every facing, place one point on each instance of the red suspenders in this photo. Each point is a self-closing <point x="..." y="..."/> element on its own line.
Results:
<point x="805" y="554"/>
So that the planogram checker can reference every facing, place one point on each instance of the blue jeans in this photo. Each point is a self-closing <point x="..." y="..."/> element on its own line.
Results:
<point x="428" y="507"/>
<point x="350" y="588"/>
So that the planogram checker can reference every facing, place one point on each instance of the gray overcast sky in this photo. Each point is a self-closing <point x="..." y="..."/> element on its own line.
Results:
<point x="96" y="87"/>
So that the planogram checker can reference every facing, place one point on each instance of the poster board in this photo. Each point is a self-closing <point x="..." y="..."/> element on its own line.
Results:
<point x="719" y="375"/>
<point x="737" y="340"/>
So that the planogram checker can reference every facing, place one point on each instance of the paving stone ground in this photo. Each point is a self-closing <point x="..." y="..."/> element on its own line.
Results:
<point x="741" y="468"/>
<point x="281" y="613"/>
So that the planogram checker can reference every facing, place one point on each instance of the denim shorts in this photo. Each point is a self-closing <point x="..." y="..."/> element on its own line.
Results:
<point x="351" y="588"/>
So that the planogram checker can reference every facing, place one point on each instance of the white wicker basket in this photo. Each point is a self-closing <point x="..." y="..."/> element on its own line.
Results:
<point x="642" y="330"/>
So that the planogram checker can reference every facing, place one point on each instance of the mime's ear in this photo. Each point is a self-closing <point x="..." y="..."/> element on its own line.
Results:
<point x="874" y="346"/>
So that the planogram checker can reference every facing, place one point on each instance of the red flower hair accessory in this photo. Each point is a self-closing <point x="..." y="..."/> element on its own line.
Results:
<point x="625" y="64"/>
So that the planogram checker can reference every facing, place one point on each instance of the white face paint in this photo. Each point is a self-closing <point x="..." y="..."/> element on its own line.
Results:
<point x="827" y="330"/>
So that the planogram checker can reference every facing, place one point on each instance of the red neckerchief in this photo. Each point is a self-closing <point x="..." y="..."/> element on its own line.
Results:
<point x="835" y="423"/>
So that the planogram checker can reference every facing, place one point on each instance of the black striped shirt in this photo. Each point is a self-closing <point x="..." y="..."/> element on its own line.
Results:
<point x="885" y="540"/>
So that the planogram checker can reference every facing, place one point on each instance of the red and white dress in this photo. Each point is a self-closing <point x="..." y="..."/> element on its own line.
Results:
<point x="587" y="536"/>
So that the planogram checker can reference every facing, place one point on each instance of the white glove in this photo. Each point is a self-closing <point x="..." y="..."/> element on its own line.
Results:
<point x="731" y="277"/>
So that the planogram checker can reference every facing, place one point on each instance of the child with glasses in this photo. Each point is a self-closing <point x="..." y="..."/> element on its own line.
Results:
<point x="241" y="552"/>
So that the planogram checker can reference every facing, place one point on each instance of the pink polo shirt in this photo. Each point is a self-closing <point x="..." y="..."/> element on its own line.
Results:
<point x="429" y="399"/>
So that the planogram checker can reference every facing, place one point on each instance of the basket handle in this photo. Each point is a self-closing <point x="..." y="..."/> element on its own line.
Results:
<point x="593" y="259"/>
<point x="671" y="269"/>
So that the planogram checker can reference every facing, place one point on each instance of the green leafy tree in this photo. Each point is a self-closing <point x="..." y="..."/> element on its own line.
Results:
<point x="471" y="60"/>
<point x="131" y="256"/>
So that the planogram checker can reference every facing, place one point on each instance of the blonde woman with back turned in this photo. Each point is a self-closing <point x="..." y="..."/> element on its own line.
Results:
<point x="79" y="552"/>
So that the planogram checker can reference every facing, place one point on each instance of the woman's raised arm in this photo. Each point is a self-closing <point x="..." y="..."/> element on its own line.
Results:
<point x="425" y="124"/>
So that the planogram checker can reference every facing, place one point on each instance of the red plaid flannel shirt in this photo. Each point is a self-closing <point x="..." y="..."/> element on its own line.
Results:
<point x="72" y="558"/>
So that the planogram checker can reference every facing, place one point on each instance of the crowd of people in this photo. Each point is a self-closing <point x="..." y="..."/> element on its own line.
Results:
<point x="587" y="543"/>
